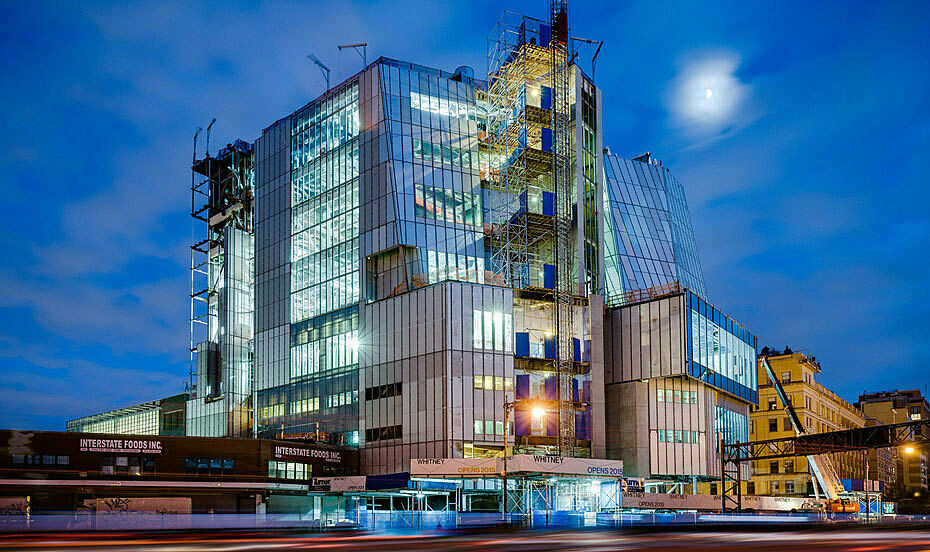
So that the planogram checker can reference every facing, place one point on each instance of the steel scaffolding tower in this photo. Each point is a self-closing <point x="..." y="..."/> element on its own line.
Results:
<point x="530" y="178"/>
<point x="221" y="281"/>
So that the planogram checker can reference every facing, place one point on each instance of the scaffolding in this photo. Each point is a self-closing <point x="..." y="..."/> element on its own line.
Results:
<point x="530" y="147"/>
<point x="221" y="278"/>
<point x="562" y="187"/>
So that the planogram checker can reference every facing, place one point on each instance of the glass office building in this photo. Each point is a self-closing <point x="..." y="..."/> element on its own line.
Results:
<point x="648" y="237"/>
<point x="161" y="417"/>
<point x="307" y="266"/>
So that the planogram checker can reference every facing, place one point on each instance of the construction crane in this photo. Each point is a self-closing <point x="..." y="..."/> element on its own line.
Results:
<point x="820" y="464"/>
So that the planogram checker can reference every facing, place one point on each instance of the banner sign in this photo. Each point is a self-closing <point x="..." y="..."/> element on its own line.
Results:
<point x="131" y="446"/>
<point x="492" y="467"/>
<point x="564" y="465"/>
<point x="661" y="501"/>
<point x="338" y="484"/>
<point x="307" y="454"/>
<point x="455" y="467"/>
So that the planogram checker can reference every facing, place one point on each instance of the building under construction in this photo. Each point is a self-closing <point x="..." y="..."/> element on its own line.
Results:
<point x="414" y="264"/>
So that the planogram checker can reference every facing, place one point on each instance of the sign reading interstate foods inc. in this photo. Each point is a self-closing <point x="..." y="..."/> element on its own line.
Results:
<point x="490" y="467"/>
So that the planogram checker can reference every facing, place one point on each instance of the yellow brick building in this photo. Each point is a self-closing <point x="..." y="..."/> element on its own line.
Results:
<point x="819" y="409"/>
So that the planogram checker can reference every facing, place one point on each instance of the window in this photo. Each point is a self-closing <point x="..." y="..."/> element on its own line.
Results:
<point x="774" y="486"/>
<point x="661" y="395"/>
<point x="713" y="488"/>
<point x="789" y="487"/>
<point x="693" y="395"/>
<point x="677" y="436"/>
<point x="499" y="428"/>
<point x="786" y="377"/>
<point x="383" y="391"/>
<point x="495" y="332"/>
<point x="789" y="467"/>
<point x="751" y="488"/>
<point x="489" y="427"/>
<point x="677" y="396"/>
<point x="289" y="470"/>
<point x="383" y="433"/>
<point x="19" y="458"/>
<point x="786" y="425"/>
<point x="773" y="424"/>
<point x="773" y="466"/>
<point x="773" y="405"/>
<point x="493" y="383"/>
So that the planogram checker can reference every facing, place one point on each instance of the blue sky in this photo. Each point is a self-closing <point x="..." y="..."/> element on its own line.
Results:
<point x="808" y="196"/>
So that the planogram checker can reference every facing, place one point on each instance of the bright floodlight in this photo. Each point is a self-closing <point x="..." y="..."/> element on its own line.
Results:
<point x="909" y="450"/>
<point x="538" y="412"/>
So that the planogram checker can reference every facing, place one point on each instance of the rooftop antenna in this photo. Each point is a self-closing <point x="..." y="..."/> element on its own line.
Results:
<point x="322" y="67"/>
<point x="196" y="134"/>
<point x="208" y="136"/>
<point x="356" y="46"/>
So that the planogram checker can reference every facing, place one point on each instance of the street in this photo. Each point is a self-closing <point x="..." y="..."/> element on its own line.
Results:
<point x="860" y="540"/>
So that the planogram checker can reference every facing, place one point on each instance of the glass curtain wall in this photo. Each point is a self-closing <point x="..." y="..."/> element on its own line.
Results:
<point x="432" y="122"/>
<point x="321" y="397"/>
<point x="590" y="159"/>
<point x="648" y="228"/>
<point x="236" y="304"/>
<point x="723" y="353"/>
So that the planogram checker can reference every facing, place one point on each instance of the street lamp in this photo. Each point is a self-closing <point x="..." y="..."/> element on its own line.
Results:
<point x="908" y="450"/>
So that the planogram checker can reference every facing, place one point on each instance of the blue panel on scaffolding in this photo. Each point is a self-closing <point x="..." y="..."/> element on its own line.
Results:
<point x="523" y="386"/>
<point x="552" y="388"/>
<point x="576" y="349"/>
<point x="586" y="351"/>
<point x="523" y="201"/>
<point x="545" y="100"/>
<point x="550" y="347"/>
<point x="549" y="277"/>
<point x="521" y="422"/>
<point x="523" y="345"/>
<point x="544" y="35"/>
<point x="548" y="203"/>
<point x="546" y="136"/>
<point x="552" y="424"/>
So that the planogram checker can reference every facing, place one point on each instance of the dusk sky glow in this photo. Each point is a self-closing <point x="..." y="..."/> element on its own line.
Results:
<point x="800" y="133"/>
